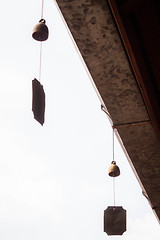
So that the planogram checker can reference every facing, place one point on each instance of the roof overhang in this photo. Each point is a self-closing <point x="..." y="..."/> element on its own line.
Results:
<point x="126" y="76"/>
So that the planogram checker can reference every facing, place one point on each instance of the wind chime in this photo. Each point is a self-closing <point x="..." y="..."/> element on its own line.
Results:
<point x="40" y="33"/>
<point x="114" y="216"/>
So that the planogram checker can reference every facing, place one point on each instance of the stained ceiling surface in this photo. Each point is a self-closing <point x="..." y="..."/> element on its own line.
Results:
<point x="120" y="48"/>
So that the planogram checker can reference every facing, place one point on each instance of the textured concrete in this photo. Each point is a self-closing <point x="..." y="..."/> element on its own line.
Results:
<point x="94" y="30"/>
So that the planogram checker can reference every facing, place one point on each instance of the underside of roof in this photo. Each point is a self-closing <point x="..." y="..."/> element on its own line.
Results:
<point x="120" y="49"/>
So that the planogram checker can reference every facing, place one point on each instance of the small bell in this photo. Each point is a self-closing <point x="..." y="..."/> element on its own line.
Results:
<point x="114" y="170"/>
<point x="40" y="31"/>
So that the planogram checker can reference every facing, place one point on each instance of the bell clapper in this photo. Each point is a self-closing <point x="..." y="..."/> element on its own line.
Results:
<point x="114" y="170"/>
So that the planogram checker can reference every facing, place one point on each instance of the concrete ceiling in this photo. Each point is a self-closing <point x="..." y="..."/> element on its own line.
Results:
<point x="100" y="43"/>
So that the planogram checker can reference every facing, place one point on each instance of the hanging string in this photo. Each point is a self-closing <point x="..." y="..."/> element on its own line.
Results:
<point x="113" y="143"/>
<point x="114" y="192"/>
<point x="42" y="9"/>
<point x="40" y="62"/>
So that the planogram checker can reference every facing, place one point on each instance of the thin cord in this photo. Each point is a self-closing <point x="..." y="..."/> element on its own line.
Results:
<point x="40" y="62"/>
<point x="114" y="192"/>
<point x="42" y="9"/>
<point x="113" y="143"/>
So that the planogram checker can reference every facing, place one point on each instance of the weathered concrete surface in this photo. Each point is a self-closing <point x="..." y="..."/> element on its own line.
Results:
<point x="94" y="30"/>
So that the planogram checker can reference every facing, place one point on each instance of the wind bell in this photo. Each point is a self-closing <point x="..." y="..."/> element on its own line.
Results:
<point x="40" y="33"/>
<point x="114" y="216"/>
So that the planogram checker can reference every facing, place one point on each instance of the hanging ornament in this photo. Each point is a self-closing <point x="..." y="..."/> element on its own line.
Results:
<point x="40" y="33"/>
<point x="113" y="170"/>
<point x="114" y="216"/>
<point x="115" y="220"/>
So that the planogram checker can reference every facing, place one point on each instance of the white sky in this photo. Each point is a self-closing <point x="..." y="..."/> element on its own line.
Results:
<point x="54" y="179"/>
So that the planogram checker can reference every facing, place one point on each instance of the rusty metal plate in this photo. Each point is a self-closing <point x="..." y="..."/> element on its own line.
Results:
<point x="115" y="220"/>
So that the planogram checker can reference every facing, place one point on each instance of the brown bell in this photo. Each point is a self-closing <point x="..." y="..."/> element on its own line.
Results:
<point x="114" y="170"/>
<point x="40" y="31"/>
